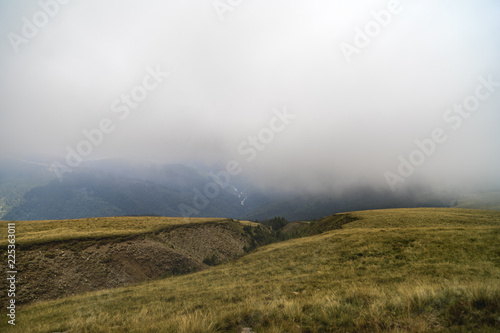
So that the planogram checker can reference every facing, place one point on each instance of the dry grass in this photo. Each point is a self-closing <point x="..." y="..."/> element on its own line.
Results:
<point x="423" y="217"/>
<point x="408" y="275"/>
<point x="30" y="232"/>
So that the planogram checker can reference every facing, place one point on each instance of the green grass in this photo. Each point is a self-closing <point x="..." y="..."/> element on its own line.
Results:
<point x="402" y="270"/>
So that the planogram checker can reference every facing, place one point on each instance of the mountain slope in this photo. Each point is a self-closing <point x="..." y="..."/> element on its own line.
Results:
<point x="395" y="270"/>
<point x="18" y="177"/>
<point x="29" y="191"/>
<point x="102" y="189"/>
<point x="61" y="258"/>
<point x="313" y="206"/>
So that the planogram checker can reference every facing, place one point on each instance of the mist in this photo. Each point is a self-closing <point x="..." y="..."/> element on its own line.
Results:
<point x="312" y="96"/>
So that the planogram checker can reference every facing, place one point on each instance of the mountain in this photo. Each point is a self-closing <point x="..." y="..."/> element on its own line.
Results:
<point x="112" y="187"/>
<point x="17" y="178"/>
<point x="313" y="206"/>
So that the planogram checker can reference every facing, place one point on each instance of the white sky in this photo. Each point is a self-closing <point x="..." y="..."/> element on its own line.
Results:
<point x="226" y="77"/>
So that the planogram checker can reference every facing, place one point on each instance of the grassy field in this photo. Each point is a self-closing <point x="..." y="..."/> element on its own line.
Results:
<point x="29" y="232"/>
<point x="403" y="270"/>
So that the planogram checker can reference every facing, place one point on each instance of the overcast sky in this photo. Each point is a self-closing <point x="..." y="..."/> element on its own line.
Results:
<point x="356" y="108"/>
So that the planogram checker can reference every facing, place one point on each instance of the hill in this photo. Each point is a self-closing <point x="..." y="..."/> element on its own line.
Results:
<point x="410" y="270"/>
<point x="61" y="258"/>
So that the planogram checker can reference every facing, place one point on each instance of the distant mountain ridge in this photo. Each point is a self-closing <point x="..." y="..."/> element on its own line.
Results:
<point x="30" y="191"/>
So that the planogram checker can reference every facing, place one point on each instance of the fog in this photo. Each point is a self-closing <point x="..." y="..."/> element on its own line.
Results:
<point x="301" y="94"/>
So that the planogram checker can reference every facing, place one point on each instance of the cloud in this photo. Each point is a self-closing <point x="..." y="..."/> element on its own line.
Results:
<point x="226" y="77"/>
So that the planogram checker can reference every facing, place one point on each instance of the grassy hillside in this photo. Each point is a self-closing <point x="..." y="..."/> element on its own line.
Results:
<point x="396" y="270"/>
<point x="62" y="258"/>
<point x="39" y="232"/>
<point x="424" y="218"/>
